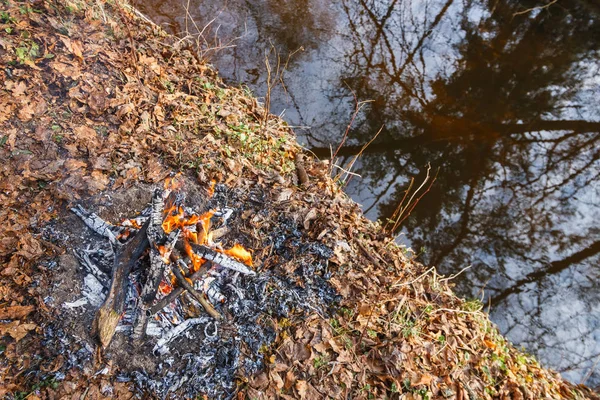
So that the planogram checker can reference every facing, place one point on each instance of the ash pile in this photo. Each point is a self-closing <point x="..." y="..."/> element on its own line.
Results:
<point x="174" y="301"/>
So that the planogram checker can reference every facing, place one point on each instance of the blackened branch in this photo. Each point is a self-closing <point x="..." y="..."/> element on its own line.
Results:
<point x="107" y="317"/>
<point x="178" y="290"/>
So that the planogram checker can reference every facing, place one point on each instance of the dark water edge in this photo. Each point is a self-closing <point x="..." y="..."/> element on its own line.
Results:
<point x="500" y="96"/>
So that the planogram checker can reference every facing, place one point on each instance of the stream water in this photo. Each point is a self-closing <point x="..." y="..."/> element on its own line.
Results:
<point x="500" y="97"/>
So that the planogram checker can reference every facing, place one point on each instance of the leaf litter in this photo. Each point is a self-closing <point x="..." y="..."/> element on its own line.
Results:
<point x="95" y="101"/>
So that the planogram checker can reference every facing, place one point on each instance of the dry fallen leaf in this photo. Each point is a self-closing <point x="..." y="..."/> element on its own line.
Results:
<point x="30" y="248"/>
<point x="290" y="380"/>
<point x="301" y="387"/>
<point x="310" y="216"/>
<point x="15" y="329"/>
<point x="15" y="312"/>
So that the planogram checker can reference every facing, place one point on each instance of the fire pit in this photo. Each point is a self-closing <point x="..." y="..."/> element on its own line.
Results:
<point x="166" y="290"/>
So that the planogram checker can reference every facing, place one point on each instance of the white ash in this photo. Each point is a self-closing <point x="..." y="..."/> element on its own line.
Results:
<point x="93" y="290"/>
<point x="75" y="304"/>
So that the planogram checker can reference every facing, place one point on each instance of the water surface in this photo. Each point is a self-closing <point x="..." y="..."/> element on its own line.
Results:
<point x="502" y="97"/>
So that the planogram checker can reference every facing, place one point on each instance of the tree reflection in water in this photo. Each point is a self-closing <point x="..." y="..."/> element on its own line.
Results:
<point x="501" y="99"/>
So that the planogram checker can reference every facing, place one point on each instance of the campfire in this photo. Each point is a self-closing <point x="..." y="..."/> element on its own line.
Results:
<point x="166" y="269"/>
<point x="182" y="292"/>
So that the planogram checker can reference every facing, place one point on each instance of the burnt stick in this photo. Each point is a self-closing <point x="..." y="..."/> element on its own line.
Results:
<point x="95" y="223"/>
<point x="178" y="290"/>
<point x="186" y="285"/>
<point x="155" y="235"/>
<point x="107" y="317"/>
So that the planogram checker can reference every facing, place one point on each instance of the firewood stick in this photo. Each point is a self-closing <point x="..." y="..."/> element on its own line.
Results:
<point x="221" y="259"/>
<point x="155" y="234"/>
<point x="178" y="290"/>
<point x="95" y="223"/>
<point x="207" y="306"/>
<point x="107" y="317"/>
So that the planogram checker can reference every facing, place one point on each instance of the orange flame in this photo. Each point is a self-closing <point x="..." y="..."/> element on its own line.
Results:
<point x="173" y="219"/>
<point x="196" y="260"/>
<point x="124" y="235"/>
<point x="211" y="188"/>
<point x="164" y="253"/>
<point x="204" y="221"/>
<point x="240" y="253"/>
<point x="176" y="219"/>
<point x="174" y="182"/>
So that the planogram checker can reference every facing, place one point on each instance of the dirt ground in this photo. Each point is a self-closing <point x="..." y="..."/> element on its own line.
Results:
<point x="96" y="101"/>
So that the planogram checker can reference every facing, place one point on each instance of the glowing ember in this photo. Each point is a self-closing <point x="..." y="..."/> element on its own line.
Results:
<point x="165" y="288"/>
<point x="164" y="253"/>
<point x="124" y="235"/>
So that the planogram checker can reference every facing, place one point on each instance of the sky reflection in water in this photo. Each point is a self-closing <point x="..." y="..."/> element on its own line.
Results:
<point x="502" y="100"/>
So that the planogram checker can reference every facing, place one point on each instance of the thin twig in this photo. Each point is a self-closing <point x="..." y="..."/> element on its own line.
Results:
<point x="414" y="280"/>
<point x="353" y="161"/>
<point x="419" y="199"/>
<point x="449" y="278"/>
<point x="535" y="8"/>
<point x="397" y="223"/>
<point x="400" y="204"/>
<point x="359" y="105"/>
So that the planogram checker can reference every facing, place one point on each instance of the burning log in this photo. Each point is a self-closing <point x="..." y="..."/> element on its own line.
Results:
<point x="107" y="317"/>
<point x="221" y="259"/>
<point x="155" y="235"/>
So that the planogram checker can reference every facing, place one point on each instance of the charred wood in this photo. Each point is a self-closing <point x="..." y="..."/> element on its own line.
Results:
<point x="107" y="317"/>
<point x="155" y="235"/>
<point x="84" y="259"/>
<point x="178" y="290"/>
<point x="198" y="296"/>
<point x="95" y="223"/>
